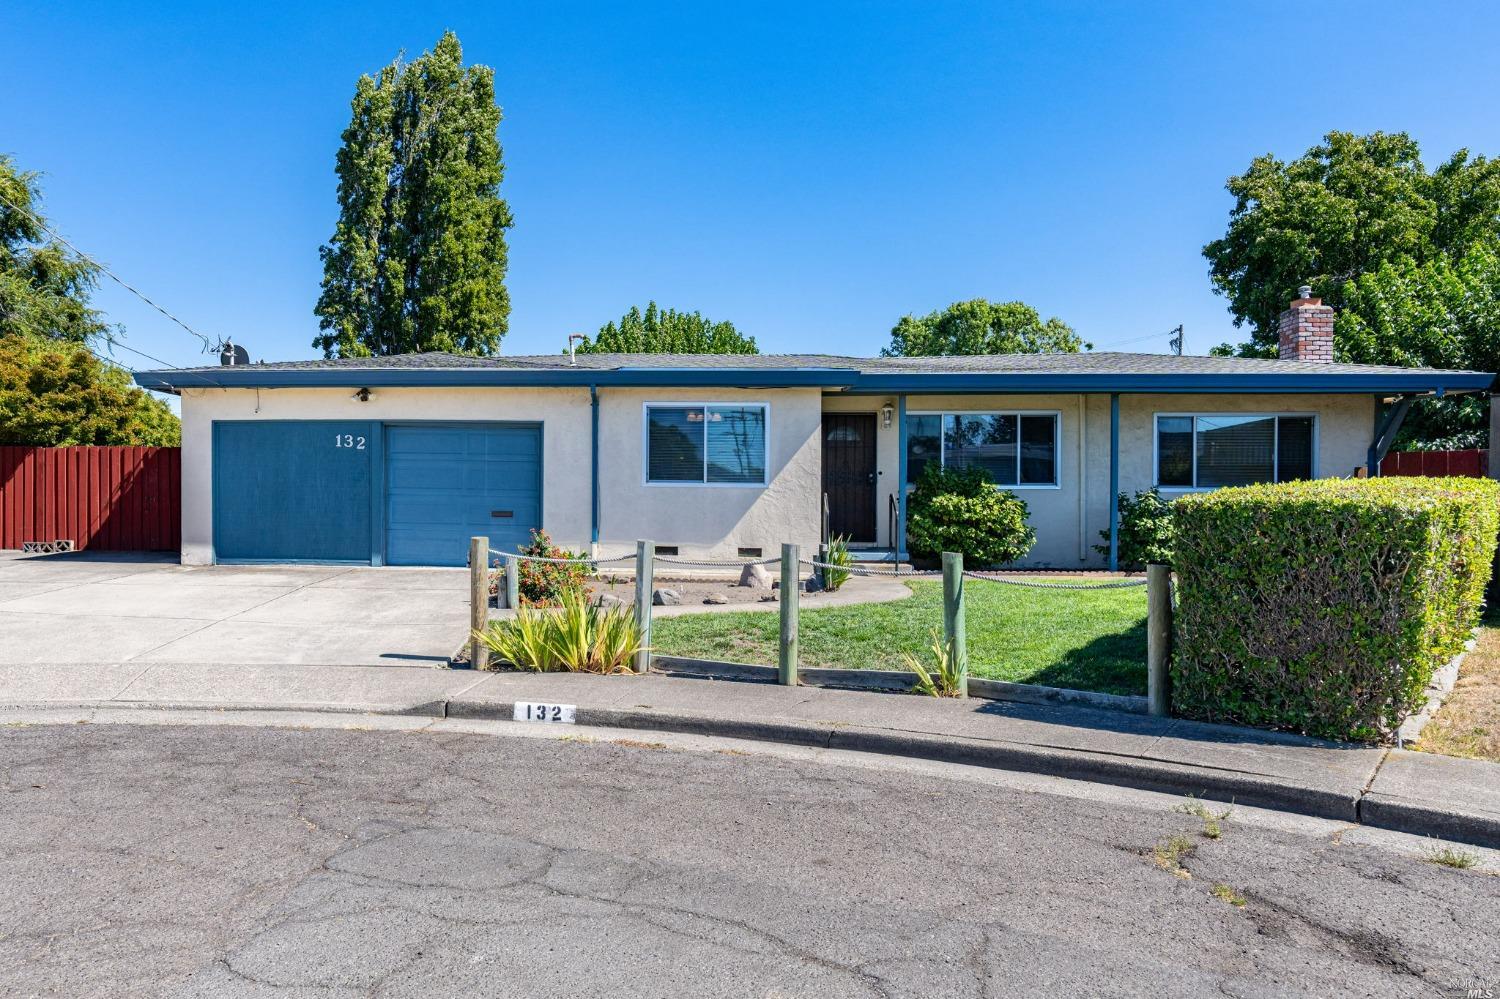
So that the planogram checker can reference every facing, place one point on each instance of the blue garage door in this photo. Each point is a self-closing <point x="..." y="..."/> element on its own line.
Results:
<point x="446" y="484"/>
<point x="293" y="491"/>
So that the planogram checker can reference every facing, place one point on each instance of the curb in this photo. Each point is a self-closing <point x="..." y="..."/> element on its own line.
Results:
<point x="1147" y="775"/>
<point x="1374" y="810"/>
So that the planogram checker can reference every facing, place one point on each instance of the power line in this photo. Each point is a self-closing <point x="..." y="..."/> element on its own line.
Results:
<point x="1176" y="331"/>
<point x="207" y="346"/>
<point x="113" y="343"/>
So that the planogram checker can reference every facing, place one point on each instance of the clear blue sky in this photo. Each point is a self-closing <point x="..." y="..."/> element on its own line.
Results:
<point x="809" y="171"/>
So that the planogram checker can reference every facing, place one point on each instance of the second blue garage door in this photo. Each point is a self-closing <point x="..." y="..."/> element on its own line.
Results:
<point x="448" y="483"/>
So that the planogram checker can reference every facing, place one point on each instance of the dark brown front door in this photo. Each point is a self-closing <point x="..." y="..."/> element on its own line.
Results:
<point x="849" y="474"/>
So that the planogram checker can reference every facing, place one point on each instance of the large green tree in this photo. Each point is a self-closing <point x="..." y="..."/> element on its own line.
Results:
<point x="979" y="326"/>
<point x="655" y="331"/>
<point x="44" y="286"/>
<point x="1444" y="313"/>
<point x="55" y="393"/>
<point x="417" y="261"/>
<point x="1342" y="210"/>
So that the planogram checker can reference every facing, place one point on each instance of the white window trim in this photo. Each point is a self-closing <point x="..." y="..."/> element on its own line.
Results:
<point x="646" y="407"/>
<point x="1057" y="446"/>
<point x="1275" y="446"/>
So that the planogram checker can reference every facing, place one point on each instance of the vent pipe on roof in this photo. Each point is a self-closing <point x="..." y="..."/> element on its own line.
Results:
<point x="573" y="339"/>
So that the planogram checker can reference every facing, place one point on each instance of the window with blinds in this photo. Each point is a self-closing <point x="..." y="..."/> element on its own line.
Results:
<point x="1016" y="449"/>
<point x="706" y="444"/>
<point x="1204" y="451"/>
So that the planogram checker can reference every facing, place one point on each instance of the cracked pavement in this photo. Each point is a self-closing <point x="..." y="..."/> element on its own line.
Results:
<point x="208" y="861"/>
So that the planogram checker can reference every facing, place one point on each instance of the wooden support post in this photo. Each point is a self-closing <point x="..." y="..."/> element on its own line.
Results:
<point x="1159" y="639"/>
<point x="954" y="632"/>
<point x="645" y="566"/>
<point x="788" y="659"/>
<point x="512" y="582"/>
<point x="479" y="600"/>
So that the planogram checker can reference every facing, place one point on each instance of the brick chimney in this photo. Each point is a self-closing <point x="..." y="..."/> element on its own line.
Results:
<point x="1307" y="330"/>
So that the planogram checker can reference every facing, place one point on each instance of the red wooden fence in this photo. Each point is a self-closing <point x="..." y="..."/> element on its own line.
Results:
<point x="1473" y="463"/>
<point x="105" y="498"/>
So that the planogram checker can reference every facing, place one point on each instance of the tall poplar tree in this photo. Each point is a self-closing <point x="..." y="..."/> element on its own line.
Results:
<point x="417" y="261"/>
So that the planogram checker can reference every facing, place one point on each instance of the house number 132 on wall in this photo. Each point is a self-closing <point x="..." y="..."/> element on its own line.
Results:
<point x="349" y="440"/>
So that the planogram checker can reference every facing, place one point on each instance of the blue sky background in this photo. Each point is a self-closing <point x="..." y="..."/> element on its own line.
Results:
<point x="809" y="171"/>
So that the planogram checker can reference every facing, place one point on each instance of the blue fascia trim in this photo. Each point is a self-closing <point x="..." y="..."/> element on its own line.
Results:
<point x="1042" y="382"/>
<point x="831" y="379"/>
<point x="249" y="377"/>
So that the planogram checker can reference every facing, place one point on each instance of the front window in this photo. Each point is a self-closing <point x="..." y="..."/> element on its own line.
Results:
<point x="1207" y="451"/>
<point x="1016" y="449"/>
<point x="706" y="444"/>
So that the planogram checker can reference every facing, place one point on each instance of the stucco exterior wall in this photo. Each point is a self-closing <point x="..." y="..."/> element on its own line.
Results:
<point x="712" y="520"/>
<point x="718" y="519"/>
<point x="1069" y="517"/>
<point x="565" y="441"/>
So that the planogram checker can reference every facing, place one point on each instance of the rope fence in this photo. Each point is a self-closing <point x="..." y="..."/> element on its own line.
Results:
<point x="852" y="568"/>
<point x="1157" y="581"/>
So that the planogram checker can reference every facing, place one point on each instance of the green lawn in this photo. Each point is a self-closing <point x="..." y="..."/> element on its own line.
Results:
<point x="1086" y="640"/>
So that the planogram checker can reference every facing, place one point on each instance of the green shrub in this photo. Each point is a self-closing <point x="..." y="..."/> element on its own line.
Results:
<point x="838" y="554"/>
<point x="960" y="510"/>
<point x="1145" y="531"/>
<point x="544" y="584"/>
<point x="1324" y="607"/>
<point x="577" y="637"/>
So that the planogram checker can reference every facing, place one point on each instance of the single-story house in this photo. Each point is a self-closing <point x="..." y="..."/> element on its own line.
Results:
<point x="399" y="460"/>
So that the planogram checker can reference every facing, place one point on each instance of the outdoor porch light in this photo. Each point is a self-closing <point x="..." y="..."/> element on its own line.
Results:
<point x="886" y="413"/>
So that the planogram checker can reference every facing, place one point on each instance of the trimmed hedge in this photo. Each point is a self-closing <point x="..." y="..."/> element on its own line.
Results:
<point x="1324" y="607"/>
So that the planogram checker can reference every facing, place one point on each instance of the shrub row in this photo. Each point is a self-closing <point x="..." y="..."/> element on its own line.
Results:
<point x="1324" y="607"/>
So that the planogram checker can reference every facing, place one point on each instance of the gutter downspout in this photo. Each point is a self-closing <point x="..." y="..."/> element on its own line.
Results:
<point x="1114" y="482"/>
<point x="594" y="468"/>
<point x="898" y="543"/>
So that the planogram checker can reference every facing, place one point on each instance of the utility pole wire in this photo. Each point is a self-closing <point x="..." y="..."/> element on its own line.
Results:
<point x="207" y="345"/>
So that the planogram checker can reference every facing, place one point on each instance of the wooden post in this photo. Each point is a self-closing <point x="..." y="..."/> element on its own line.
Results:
<point x="645" y="566"/>
<point x="788" y="659"/>
<point x="1158" y="639"/>
<point x="479" y="600"/>
<point x="821" y="574"/>
<point x="512" y="582"/>
<point x="954" y="633"/>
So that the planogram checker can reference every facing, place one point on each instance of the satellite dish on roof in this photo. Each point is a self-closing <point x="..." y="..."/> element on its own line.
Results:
<point x="232" y="353"/>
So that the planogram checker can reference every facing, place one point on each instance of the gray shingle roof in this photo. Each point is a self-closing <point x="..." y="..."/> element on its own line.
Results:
<point x="1102" y="362"/>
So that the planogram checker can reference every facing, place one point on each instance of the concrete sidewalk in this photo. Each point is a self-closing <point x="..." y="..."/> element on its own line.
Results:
<point x="1409" y="792"/>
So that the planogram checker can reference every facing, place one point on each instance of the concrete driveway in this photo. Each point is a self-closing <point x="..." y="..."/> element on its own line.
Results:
<point x="145" y="608"/>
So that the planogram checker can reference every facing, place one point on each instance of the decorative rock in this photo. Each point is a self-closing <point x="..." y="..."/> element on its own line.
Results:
<point x="756" y="577"/>
<point x="716" y="598"/>
<point x="665" y="597"/>
<point x="608" y="600"/>
<point x="769" y="598"/>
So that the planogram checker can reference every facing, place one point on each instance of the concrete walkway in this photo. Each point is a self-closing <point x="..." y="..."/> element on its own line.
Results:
<point x="135" y="608"/>
<point x="1409" y="792"/>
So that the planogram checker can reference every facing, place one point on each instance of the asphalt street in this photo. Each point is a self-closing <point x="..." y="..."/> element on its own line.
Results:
<point x="256" y="861"/>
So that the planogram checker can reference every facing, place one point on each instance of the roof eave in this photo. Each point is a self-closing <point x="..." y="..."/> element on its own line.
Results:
<point x="1166" y="384"/>
<point x="831" y="379"/>
<point x="252" y="377"/>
